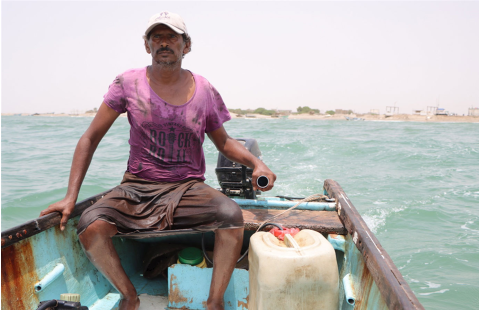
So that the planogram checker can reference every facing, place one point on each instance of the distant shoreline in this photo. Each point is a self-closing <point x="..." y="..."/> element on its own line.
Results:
<point x="397" y="118"/>
<point x="324" y="117"/>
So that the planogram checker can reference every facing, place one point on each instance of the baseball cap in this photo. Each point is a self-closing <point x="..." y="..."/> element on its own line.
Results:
<point x="172" y="20"/>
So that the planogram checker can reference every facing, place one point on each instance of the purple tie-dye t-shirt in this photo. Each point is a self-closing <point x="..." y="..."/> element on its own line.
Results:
<point x="166" y="140"/>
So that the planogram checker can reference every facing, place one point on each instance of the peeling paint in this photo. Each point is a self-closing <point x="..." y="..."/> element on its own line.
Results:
<point x="175" y="295"/>
<point x="366" y="286"/>
<point x="18" y="277"/>
<point x="242" y="304"/>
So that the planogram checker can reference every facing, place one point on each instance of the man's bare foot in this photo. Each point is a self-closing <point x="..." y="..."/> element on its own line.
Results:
<point x="129" y="304"/>
<point x="212" y="305"/>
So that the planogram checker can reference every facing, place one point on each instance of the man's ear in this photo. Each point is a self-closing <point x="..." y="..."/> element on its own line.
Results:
<point x="147" y="47"/>
<point x="187" y="48"/>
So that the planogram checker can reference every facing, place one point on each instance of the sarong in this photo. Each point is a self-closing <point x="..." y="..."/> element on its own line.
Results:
<point x="139" y="205"/>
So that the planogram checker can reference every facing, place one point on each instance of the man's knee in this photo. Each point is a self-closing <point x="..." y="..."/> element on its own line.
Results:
<point x="228" y="212"/>
<point x="96" y="231"/>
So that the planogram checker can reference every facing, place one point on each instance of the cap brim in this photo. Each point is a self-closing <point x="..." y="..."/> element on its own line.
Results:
<point x="177" y="30"/>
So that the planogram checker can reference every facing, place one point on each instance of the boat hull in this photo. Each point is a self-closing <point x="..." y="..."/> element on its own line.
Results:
<point x="38" y="252"/>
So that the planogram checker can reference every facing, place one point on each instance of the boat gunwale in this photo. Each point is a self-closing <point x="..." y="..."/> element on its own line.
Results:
<point x="33" y="227"/>
<point x="395" y="291"/>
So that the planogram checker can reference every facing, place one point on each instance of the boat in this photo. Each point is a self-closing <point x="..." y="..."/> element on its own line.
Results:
<point x="40" y="262"/>
<point x="354" y="118"/>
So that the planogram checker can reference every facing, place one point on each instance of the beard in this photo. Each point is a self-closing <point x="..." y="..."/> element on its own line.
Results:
<point x="168" y="63"/>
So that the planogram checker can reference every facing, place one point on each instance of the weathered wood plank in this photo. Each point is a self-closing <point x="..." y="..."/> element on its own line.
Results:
<point x="160" y="233"/>
<point x="321" y="221"/>
<point x="394" y="289"/>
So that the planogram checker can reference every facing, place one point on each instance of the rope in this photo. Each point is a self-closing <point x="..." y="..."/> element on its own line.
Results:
<point x="314" y="197"/>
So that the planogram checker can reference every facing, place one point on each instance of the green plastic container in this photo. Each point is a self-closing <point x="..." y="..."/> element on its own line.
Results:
<point x="190" y="256"/>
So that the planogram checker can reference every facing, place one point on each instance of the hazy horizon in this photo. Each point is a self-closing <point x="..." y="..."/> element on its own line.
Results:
<point x="62" y="56"/>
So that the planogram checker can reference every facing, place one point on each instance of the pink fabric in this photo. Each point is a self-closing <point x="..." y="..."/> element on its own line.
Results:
<point x="166" y="140"/>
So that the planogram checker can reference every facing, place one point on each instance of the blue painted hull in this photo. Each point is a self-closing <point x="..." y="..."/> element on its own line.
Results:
<point x="37" y="256"/>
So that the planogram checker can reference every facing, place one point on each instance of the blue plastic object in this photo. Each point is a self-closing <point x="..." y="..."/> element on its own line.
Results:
<point x="276" y="204"/>
<point x="49" y="278"/>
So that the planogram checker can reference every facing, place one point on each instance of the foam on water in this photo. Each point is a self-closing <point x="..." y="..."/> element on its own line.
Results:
<point x="415" y="184"/>
<point x="376" y="218"/>
<point x="437" y="292"/>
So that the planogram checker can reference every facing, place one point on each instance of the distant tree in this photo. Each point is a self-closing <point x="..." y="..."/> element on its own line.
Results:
<point x="269" y="112"/>
<point x="95" y="110"/>
<point x="264" y="111"/>
<point x="239" y="111"/>
<point x="259" y="111"/>
<point x="303" y="110"/>
<point x="330" y="112"/>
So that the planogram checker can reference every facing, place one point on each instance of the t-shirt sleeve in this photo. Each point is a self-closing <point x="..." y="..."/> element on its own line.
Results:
<point x="115" y="96"/>
<point x="217" y="111"/>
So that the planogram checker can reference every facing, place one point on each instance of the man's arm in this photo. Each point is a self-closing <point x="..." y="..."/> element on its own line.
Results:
<point x="81" y="161"/>
<point x="233" y="150"/>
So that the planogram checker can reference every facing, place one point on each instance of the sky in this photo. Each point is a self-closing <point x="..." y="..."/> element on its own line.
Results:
<point x="358" y="55"/>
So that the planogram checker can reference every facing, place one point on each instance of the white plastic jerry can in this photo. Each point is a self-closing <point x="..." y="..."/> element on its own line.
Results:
<point x="300" y="273"/>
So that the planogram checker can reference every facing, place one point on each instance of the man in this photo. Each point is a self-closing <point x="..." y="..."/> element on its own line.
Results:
<point x="169" y="110"/>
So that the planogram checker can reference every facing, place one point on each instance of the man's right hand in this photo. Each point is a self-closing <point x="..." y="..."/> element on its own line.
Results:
<point x="64" y="206"/>
<point x="81" y="160"/>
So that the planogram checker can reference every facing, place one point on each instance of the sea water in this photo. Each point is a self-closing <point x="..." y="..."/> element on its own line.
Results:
<point x="415" y="184"/>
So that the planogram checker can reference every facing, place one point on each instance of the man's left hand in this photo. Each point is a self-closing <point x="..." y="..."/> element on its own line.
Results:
<point x="262" y="169"/>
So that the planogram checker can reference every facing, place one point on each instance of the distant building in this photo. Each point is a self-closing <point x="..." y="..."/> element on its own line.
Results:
<point x="441" y="111"/>
<point x="284" y="112"/>
<point x="341" y="111"/>
<point x="389" y="111"/>
<point x="419" y="112"/>
<point x="374" y="111"/>
<point x="473" y="112"/>
<point x="431" y="110"/>
<point x="76" y="112"/>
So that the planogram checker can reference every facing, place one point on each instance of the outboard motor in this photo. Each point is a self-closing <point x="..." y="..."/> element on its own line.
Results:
<point x="236" y="179"/>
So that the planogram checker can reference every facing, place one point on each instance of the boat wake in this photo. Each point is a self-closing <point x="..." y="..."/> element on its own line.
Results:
<point x="376" y="218"/>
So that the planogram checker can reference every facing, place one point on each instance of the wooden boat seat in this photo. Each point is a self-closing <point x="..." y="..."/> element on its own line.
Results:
<point x="321" y="221"/>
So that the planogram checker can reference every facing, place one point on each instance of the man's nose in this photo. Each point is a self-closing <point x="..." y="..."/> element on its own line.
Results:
<point x="164" y="41"/>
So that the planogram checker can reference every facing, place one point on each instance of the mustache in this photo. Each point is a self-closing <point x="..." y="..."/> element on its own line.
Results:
<point x="165" y="49"/>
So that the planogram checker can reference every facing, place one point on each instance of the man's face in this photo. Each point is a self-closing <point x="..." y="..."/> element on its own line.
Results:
<point x="166" y="46"/>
